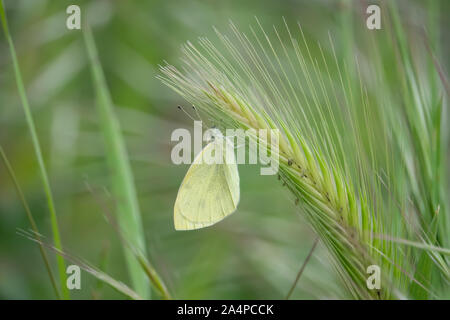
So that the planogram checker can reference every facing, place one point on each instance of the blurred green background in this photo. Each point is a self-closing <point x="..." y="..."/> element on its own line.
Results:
<point x="254" y="254"/>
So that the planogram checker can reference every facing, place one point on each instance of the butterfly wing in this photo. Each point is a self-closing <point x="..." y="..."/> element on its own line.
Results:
<point x="208" y="193"/>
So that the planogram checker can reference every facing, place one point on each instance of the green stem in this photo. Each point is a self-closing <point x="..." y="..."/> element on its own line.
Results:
<point x="30" y="219"/>
<point x="38" y="152"/>
<point x="129" y="217"/>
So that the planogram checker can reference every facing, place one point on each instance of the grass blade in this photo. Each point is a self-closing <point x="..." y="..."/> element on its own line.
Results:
<point x="30" y="219"/>
<point x="150" y="271"/>
<point x="123" y="182"/>
<point x="100" y="275"/>
<point x="419" y="245"/>
<point x="299" y="274"/>
<point x="37" y="150"/>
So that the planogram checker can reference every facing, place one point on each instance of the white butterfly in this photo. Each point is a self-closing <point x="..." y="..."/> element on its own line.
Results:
<point x="210" y="190"/>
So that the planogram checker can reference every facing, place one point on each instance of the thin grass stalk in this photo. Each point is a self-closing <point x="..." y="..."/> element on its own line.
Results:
<point x="98" y="274"/>
<point x="148" y="268"/>
<point x="30" y="219"/>
<point x="38" y="152"/>
<point x="129" y="217"/>
<point x="300" y="272"/>
<point x="102" y="265"/>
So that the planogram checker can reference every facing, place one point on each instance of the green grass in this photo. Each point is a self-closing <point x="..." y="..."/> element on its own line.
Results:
<point x="30" y="219"/>
<point x="95" y="272"/>
<point x="128" y="212"/>
<point x="37" y="151"/>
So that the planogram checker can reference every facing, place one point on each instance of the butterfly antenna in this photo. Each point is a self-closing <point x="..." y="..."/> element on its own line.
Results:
<point x="186" y="113"/>
<point x="197" y="113"/>
<point x="200" y="117"/>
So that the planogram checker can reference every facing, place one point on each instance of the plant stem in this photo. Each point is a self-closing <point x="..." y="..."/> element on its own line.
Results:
<point x="129" y="217"/>
<point x="38" y="152"/>
<point x="299" y="274"/>
<point x="30" y="219"/>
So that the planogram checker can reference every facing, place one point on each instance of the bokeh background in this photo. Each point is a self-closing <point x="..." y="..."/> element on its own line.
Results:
<point x="255" y="254"/>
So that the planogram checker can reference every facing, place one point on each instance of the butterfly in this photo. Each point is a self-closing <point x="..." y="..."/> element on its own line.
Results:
<point x="210" y="190"/>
